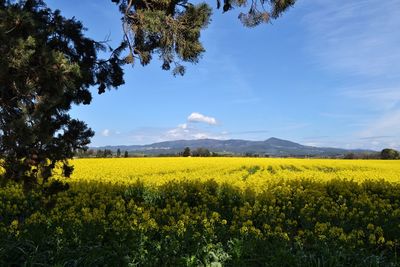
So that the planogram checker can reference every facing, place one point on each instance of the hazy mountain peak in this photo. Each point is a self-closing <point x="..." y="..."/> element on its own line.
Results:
<point x="272" y="146"/>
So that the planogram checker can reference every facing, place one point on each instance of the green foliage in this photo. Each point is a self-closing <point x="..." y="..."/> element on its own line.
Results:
<point x="201" y="152"/>
<point x="47" y="65"/>
<point x="193" y="223"/>
<point x="389" y="153"/>
<point x="171" y="29"/>
<point x="103" y="153"/>
<point x="186" y="152"/>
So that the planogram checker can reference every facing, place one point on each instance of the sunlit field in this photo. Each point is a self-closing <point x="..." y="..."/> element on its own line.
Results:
<point x="255" y="173"/>
<point x="207" y="212"/>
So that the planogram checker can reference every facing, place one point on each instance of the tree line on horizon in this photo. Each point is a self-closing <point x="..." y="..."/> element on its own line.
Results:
<point x="385" y="154"/>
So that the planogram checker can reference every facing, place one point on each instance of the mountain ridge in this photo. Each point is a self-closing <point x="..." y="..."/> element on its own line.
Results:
<point x="272" y="146"/>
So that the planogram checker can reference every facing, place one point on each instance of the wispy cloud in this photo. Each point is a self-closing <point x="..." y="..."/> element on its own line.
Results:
<point x="198" y="117"/>
<point x="105" y="132"/>
<point x="191" y="133"/>
<point x="356" y="37"/>
<point x="358" y="41"/>
<point x="378" y="137"/>
<point x="381" y="127"/>
<point x="227" y="74"/>
<point x="340" y="115"/>
<point x="379" y="98"/>
<point x="386" y="125"/>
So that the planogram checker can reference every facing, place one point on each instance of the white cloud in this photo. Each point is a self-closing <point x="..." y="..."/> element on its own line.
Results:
<point x="105" y="132"/>
<point x="185" y="131"/>
<point x="183" y="126"/>
<point x="312" y="144"/>
<point x="201" y="135"/>
<point x="197" y="117"/>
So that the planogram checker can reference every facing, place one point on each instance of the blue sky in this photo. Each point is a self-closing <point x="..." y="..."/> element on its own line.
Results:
<point x="327" y="73"/>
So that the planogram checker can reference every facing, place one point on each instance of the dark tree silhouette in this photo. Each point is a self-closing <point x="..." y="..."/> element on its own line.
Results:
<point x="46" y="65"/>
<point x="201" y="152"/>
<point x="186" y="152"/>
<point x="389" y="153"/>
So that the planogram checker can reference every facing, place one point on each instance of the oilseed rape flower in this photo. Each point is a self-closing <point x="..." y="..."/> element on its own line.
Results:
<point x="198" y="211"/>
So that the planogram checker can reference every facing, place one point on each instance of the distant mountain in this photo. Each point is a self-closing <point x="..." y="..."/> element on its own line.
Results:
<point x="272" y="146"/>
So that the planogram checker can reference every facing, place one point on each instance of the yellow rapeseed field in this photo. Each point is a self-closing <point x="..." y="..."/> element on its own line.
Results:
<point x="241" y="172"/>
<point x="207" y="212"/>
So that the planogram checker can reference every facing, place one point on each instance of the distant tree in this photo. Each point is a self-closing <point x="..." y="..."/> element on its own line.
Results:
<point x="389" y="153"/>
<point x="186" y="152"/>
<point x="350" y="155"/>
<point x="107" y="152"/>
<point x="361" y="155"/>
<point x="118" y="153"/>
<point x="126" y="154"/>
<point x="81" y="153"/>
<point x="99" y="153"/>
<point x="251" y="155"/>
<point x="90" y="152"/>
<point x="201" y="152"/>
